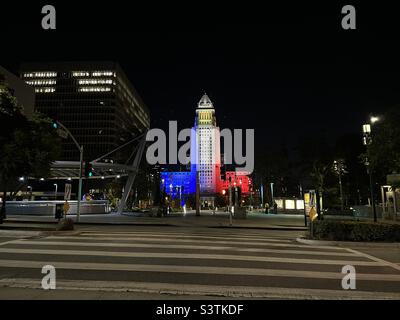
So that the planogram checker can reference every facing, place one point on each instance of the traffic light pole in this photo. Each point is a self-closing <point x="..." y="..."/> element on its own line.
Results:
<point x="80" y="148"/>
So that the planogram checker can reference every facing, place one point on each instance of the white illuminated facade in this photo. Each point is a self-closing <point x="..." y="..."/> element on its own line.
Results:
<point x="208" y="158"/>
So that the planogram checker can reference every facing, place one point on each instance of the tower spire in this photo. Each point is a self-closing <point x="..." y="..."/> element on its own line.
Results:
<point x="205" y="102"/>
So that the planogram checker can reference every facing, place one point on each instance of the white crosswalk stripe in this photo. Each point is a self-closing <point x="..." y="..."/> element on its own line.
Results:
<point x="213" y="259"/>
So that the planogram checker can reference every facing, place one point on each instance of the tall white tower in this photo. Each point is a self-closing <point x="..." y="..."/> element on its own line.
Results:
<point x="208" y="155"/>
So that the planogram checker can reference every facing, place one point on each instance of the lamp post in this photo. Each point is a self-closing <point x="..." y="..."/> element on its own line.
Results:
<point x="30" y="192"/>
<point x="367" y="140"/>
<point x="55" y="192"/>
<point x="272" y="194"/>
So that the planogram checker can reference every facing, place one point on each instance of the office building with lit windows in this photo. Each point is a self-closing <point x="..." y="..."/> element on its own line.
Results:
<point x="94" y="100"/>
<point x="24" y="93"/>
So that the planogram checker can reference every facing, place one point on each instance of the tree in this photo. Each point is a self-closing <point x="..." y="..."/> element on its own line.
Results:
<point x="315" y="158"/>
<point x="27" y="146"/>
<point x="384" y="151"/>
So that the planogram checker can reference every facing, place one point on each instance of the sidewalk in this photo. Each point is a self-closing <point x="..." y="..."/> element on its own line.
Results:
<point x="206" y="219"/>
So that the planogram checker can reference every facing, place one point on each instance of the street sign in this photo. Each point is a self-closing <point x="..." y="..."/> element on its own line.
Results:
<point x="67" y="192"/>
<point x="313" y="214"/>
<point x="309" y="201"/>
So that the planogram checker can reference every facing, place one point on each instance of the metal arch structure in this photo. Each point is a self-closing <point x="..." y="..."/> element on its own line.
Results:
<point x="132" y="174"/>
<point x="70" y="170"/>
<point x="63" y="170"/>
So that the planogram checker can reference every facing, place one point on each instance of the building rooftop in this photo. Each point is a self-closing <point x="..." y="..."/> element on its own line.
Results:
<point x="205" y="102"/>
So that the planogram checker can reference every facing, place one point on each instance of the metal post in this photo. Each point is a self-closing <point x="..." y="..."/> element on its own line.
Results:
<point x="394" y="203"/>
<point x="312" y="229"/>
<point x="230" y="202"/>
<point x="197" y="193"/>
<point x="341" y="192"/>
<point x="132" y="175"/>
<point x="78" y="206"/>
<point x="251" y="198"/>
<point x="383" y="202"/>
<point x="272" y="194"/>
<point x="371" y="186"/>
<point x="304" y="207"/>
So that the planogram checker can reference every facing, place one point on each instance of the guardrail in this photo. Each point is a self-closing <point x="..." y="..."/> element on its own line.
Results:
<point x="48" y="208"/>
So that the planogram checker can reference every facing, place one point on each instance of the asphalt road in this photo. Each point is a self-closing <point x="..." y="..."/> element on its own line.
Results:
<point x="146" y="262"/>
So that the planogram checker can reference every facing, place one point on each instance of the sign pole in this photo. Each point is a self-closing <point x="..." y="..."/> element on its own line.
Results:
<point x="312" y="229"/>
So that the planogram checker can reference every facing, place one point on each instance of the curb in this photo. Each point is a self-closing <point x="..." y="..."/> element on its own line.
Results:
<point x="47" y="230"/>
<point x="155" y="224"/>
<point x="282" y="228"/>
<point x="348" y="243"/>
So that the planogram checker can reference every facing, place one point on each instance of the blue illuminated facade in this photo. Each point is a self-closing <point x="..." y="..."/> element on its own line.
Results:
<point x="178" y="184"/>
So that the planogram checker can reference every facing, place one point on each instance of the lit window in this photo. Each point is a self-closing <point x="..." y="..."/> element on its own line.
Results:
<point x="94" y="89"/>
<point x="102" y="73"/>
<point x="95" y="81"/>
<point x="44" y="82"/>
<point x="45" y="90"/>
<point x="80" y="74"/>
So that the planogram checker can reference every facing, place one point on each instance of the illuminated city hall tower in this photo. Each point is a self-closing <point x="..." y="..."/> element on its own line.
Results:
<point x="205" y="158"/>
<point x="207" y="150"/>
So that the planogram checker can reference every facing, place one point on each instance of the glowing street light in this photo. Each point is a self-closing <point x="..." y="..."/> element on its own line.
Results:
<point x="374" y="119"/>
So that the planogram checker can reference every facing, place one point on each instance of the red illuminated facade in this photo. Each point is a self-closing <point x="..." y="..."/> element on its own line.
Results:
<point x="236" y="179"/>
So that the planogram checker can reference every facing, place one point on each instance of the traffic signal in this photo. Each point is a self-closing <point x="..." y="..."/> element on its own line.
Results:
<point x="88" y="169"/>
<point x="54" y="124"/>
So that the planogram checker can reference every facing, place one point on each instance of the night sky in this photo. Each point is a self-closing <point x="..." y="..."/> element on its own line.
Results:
<point x="286" y="71"/>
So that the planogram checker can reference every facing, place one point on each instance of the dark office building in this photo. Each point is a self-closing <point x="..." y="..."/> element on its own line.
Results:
<point x="94" y="100"/>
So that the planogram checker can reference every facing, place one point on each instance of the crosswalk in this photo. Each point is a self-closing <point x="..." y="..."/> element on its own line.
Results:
<point x="196" y="262"/>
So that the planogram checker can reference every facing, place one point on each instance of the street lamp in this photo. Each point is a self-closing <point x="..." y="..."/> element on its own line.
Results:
<point x="374" y="119"/>
<point x="30" y="192"/>
<point x="55" y="192"/>
<point x="367" y="140"/>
